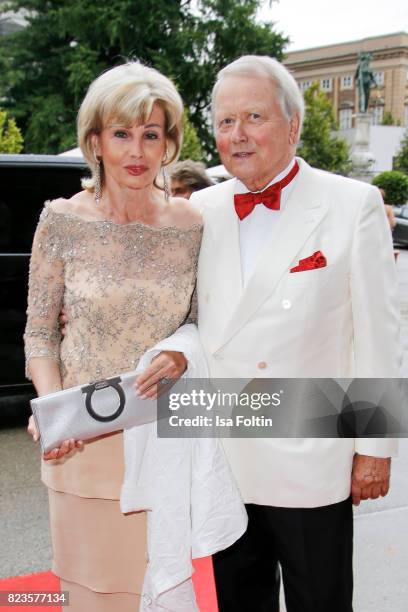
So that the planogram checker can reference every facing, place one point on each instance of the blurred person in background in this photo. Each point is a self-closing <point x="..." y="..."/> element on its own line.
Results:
<point x="188" y="176"/>
<point x="389" y="211"/>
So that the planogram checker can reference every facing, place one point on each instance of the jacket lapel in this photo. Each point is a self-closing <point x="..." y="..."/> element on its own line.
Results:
<point x="302" y="214"/>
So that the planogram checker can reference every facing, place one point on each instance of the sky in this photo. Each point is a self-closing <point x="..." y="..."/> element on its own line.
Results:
<point x="312" y="23"/>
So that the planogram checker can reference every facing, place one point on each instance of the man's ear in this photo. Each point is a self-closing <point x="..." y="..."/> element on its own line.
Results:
<point x="294" y="126"/>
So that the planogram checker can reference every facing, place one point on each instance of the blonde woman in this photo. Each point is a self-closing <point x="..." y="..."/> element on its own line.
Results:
<point x="120" y="258"/>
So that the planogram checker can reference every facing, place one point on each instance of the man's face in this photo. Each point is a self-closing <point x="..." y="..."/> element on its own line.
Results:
<point x="254" y="138"/>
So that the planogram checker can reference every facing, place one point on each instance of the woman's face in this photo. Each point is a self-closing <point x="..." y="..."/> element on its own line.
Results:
<point x="132" y="157"/>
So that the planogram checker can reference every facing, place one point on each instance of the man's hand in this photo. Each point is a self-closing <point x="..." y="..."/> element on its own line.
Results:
<point x="63" y="320"/>
<point x="370" y="477"/>
<point x="167" y="364"/>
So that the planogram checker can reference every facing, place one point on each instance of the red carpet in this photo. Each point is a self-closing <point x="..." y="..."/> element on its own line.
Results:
<point x="203" y="579"/>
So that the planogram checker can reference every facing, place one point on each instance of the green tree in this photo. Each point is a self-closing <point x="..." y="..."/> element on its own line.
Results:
<point x="11" y="139"/>
<point x="395" y="185"/>
<point x="389" y="119"/>
<point x="319" y="146"/>
<point x="191" y="148"/>
<point x="46" y="68"/>
<point x="401" y="159"/>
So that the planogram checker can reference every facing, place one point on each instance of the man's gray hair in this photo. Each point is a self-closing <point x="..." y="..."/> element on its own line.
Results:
<point x="286" y="88"/>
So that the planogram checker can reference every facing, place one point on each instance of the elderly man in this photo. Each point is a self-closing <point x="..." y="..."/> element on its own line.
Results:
<point x="296" y="279"/>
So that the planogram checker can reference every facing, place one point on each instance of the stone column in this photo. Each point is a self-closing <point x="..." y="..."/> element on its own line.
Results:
<point x="361" y="157"/>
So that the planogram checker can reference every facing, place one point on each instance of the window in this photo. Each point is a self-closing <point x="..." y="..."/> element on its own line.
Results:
<point x="346" y="82"/>
<point x="377" y="113"/>
<point x="305" y="85"/>
<point x="406" y="115"/>
<point x="326" y="84"/>
<point x="24" y="189"/>
<point x="345" y="118"/>
<point x="379" y="78"/>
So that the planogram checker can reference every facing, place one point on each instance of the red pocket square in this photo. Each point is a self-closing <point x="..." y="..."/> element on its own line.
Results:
<point x="317" y="260"/>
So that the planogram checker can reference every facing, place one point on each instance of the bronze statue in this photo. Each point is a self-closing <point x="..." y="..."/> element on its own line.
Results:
<point x="365" y="80"/>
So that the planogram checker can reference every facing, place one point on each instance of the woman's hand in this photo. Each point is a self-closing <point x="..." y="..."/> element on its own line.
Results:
<point x="56" y="453"/>
<point x="32" y="429"/>
<point x="167" y="365"/>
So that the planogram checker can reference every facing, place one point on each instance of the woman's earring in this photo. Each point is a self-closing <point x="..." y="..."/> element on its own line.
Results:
<point x="97" y="175"/>
<point x="166" y="183"/>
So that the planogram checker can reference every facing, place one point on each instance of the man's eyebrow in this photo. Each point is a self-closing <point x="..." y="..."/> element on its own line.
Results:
<point x="255" y="107"/>
<point x="258" y="107"/>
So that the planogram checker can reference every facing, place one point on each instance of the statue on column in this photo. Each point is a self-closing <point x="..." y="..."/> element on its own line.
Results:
<point x="365" y="81"/>
<point x="361" y="157"/>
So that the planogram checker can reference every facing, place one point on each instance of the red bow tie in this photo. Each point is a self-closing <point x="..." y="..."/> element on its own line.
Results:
<point x="245" y="202"/>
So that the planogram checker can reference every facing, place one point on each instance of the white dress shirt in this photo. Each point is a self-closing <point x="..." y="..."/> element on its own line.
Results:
<point x="258" y="227"/>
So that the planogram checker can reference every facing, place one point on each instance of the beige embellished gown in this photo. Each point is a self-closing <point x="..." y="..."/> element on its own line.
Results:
<point x="124" y="288"/>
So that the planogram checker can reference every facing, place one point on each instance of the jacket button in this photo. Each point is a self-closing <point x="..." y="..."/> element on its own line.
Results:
<point x="286" y="304"/>
<point x="262" y="365"/>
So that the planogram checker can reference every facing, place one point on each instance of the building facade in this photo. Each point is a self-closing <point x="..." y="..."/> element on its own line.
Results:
<point x="334" y="68"/>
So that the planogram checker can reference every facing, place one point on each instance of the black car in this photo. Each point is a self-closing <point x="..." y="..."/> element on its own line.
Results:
<point x="400" y="232"/>
<point x="26" y="182"/>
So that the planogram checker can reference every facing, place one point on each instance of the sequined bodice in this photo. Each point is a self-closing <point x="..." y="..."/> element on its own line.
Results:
<point x="123" y="287"/>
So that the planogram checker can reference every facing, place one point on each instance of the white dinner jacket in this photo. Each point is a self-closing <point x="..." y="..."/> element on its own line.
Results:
<point x="338" y="321"/>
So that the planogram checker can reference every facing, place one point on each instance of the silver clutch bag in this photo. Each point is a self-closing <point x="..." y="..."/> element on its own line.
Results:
<point x="88" y="411"/>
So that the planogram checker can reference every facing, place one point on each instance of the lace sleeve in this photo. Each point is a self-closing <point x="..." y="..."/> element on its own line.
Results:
<point x="193" y="312"/>
<point x="45" y="290"/>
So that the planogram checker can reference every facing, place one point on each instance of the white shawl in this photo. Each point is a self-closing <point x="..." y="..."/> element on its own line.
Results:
<point x="194" y="507"/>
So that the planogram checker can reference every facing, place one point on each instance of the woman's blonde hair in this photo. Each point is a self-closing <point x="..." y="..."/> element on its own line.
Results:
<point x="127" y="94"/>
